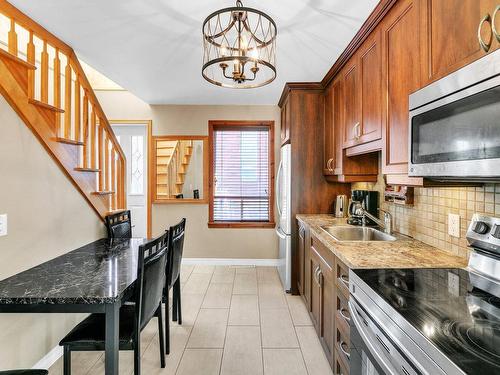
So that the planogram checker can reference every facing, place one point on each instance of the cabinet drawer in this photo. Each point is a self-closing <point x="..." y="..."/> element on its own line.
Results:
<point x="342" y="315"/>
<point x="340" y="368"/>
<point x="342" y="278"/>
<point x="325" y="254"/>
<point x="342" y="348"/>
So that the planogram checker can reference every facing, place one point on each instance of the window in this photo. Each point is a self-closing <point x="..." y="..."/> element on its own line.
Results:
<point x="241" y="174"/>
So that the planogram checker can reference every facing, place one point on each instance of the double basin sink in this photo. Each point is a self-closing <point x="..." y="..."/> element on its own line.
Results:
<point x="344" y="233"/>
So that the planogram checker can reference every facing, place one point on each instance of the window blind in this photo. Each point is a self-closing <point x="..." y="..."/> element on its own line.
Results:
<point x="241" y="174"/>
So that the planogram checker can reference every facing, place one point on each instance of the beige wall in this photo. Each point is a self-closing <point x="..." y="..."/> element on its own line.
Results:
<point x="46" y="218"/>
<point x="201" y="242"/>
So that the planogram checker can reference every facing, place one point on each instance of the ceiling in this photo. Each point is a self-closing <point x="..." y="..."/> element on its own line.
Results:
<point x="153" y="48"/>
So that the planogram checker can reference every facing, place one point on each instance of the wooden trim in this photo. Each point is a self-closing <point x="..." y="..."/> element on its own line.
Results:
<point x="308" y="86"/>
<point x="149" y="125"/>
<point x="68" y="141"/>
<point x="16" y="59"/>
<point x="365" y="148"/>
<point x="38" y="103"/>
<point x="88" y="170"/>
<point x="214" y="124"/>
<point x="103" y="192"/>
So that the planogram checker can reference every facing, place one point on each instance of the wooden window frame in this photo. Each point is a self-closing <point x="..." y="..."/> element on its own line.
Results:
<point x="247" y="125"/>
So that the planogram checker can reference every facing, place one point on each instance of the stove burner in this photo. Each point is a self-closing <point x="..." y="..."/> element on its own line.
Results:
<point x="481" y="338"/>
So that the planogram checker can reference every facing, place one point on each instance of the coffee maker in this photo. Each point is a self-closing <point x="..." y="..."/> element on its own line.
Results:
<point x="369" y="201"/>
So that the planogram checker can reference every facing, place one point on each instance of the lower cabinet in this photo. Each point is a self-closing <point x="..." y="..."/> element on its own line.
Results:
<point x="325" y="290"/>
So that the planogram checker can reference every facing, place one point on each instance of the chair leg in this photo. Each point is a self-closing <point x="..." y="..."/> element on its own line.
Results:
<point x="137" y="355"/>
<point x="177" y="291"/>
<point x="67" y="361"/>
<point x="174" y="304"/>
<point x="161" y="335"/>
<point x="167" y="326"/>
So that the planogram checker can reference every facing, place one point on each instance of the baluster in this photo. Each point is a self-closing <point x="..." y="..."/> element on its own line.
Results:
<point x="85" y="130"/>
<point x="92" y="139"/>
<point x="67" y="100"/>
<point x="99" y="154"/>
<point x="12" y="38"/>
<point x="106" y="162"/>
<point x="44" y="81"/>
<point x="57" y="88"/>
<point x="113" y="177"/>
<point x="123" y="171"/>
<point x="77" y="109"/>
<point x="31" y="73"/>
<point x="118" y="182"/>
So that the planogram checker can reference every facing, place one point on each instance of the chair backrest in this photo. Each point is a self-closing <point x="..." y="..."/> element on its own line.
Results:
<point x="175" y="246"/>
<point x="151" y="278"/>
<point x="119" y="225"/>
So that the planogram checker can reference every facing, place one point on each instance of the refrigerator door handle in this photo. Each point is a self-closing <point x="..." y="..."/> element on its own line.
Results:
<point x="280" y="233"/>
<point x="278" y="188"/>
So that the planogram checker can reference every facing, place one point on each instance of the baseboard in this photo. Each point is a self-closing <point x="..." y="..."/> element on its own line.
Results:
<point x="231" y="262"/>
<point x="50" y="358"/>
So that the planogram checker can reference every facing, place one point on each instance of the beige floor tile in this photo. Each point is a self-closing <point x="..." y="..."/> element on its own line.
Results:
<point x="202" y="268"/>
<point x="125" y="366"/>
<point x="268" y="275"/>
<point x="57" y="368"/>
<point x="271" y="297"/>
<point x="245" y="270"/>
<point x="283" y="361"/>
<point x="245" y="284"/>
<point x="277" y="329"/>
<point x="314" y="357"/>
<point x="209" y="330"/>
<point x="244" y="310"/>
<point x="200" y="362"/>
<point x="186" y="270"/>
<point x="242" y="352"/>
<point x="190" y="304"/>
<point x="223" y="274"/>
<point x="197" y="283"/>
<point x="218" y="296"/>
<point x="81" y="363"/>
<point x="298" y="311"/>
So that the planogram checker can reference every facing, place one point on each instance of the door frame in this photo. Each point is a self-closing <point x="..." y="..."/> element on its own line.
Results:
<point x="149" y="130"/>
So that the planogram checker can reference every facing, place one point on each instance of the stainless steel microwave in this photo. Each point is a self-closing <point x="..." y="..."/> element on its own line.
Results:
<point x="454" y="129"/>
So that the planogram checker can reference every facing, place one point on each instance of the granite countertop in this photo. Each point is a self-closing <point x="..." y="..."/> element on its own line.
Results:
<point x="98" y="273"/>
<point x="405" y="252"/>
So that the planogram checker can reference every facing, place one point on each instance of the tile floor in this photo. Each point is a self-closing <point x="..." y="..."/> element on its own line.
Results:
<point x="236" y="320"/>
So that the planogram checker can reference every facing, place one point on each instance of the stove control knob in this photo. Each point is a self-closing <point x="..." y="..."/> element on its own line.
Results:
<point x="480" y="227"/>
<point x="496" y="231"/>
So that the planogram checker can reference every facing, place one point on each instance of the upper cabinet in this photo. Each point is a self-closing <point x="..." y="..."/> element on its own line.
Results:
<point x="285" y="122"/>
<point x="458" y="33"/>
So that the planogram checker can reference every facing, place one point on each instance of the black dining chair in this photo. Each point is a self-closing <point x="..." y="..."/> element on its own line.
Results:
<point x="24" y="372"/>
<point x="89" y="335"/>
<point x="119" y="225"/>
<point x="176" y="246"/>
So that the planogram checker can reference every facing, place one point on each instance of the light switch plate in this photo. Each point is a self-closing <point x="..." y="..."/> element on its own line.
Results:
<point x="3" y="225"/>
<point x="454" y="225"/>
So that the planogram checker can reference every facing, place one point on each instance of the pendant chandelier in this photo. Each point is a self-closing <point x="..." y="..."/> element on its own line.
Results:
<point x="239" y="48"/>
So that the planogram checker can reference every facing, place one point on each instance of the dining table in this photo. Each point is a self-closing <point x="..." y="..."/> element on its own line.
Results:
<point x="96" y="278"/>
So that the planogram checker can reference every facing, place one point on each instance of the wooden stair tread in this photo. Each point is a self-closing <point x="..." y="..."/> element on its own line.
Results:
<point x="87" y="169"/>
<point x="69" y="141"/>
<point x="102" y="192"/>
<point x="10" y="56"/>
<point x="45" y="105"/>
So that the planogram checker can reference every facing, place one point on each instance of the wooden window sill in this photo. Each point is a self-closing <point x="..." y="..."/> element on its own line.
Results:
<point x="239" y="224"/>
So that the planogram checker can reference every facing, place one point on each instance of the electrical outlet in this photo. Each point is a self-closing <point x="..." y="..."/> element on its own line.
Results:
<point x="454" y="225"/>
<point x="3" y="225"/>
<point x="453" y="284"/>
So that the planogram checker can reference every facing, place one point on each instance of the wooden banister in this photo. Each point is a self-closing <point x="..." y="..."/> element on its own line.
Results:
<point x="44" y="82"/>
<point x="12" y="37"/>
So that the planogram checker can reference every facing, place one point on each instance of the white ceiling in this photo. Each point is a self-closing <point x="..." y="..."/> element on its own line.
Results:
<point x="153" y="48"/>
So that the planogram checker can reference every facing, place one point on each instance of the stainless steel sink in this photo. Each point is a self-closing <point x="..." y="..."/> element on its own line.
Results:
<point x="356" y="234"/>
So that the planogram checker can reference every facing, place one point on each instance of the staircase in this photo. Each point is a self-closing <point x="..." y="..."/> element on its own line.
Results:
<point x="41" y="78"/>
<point x="172" y="162"/>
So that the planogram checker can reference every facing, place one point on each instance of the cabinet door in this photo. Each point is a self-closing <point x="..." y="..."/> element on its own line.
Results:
<point x="307" y="271"/>
<point x="315" y="290"/>
<point x="370" y="70"/>
<point x="327" y="285"/>
<point x="401" y="62"/>
<point x="329" y="134"/>
<point x="301" y="248"/>
<point x="352" y="104"/>
<point x="285" y="122"/>
<point x="451" y="27"/>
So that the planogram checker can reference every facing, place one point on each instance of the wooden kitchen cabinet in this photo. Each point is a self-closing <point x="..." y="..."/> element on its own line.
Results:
<point x="302" y="256"/>
<point x="451" y="28"/>
<point x="329" y="146"/>
<point x="285" y="122"/>
<point x="351" y="90"/>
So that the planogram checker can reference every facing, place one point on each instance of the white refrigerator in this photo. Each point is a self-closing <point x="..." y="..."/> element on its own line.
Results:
<point x="284" y="224"/>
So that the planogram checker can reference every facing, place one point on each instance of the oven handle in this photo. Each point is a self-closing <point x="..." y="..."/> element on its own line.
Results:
<point x="375" y="352"/>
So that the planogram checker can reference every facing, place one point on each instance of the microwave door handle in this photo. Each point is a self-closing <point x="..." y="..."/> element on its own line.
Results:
<point x="375" y="351"/>
<point x="278" y="188"/>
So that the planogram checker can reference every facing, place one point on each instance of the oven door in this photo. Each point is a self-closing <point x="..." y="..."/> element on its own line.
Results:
<point x="372" y="352"/>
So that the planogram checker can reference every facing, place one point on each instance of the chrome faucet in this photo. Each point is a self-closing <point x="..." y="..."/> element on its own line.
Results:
<point x="386" y="224"/>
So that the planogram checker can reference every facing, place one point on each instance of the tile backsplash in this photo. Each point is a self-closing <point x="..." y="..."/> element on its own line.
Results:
<point x="427" y="219"/>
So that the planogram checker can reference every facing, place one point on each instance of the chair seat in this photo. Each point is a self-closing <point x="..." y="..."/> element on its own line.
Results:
<point x="92" y="330"/>
<point x="24" y="372"/>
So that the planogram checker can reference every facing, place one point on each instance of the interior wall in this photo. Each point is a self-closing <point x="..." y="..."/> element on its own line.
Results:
<point x="47" y="217"/>
<point x="201" y="241"/>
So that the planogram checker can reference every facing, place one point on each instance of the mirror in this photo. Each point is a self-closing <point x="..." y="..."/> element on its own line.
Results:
<point x="180" y="169"/>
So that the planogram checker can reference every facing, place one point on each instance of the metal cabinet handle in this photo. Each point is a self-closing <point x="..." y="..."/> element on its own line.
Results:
<point x="356" y="129"/>
<point x="342" y="313"/>
<point x="493" y="26"/>
<point x="341" y="347"/>
<point x="485" y="46"/>
<point x="329" y="164"/>
<point x="344" y="280"/>
<point x="315" y="274"/>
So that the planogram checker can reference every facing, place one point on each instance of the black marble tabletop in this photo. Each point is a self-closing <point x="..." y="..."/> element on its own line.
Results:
<point x="98" y="273"/>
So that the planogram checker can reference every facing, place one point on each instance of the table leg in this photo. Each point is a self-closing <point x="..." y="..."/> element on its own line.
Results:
<point x="112" y="338"/>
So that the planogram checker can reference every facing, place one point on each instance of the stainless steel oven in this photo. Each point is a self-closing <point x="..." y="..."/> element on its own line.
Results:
<point x="454" y="124"/>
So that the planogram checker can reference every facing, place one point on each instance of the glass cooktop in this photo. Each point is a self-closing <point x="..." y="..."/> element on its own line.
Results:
<point x="456" y="310"/>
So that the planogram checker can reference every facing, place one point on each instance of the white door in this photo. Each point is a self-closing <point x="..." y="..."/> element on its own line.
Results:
<point x="133" y="140"/>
